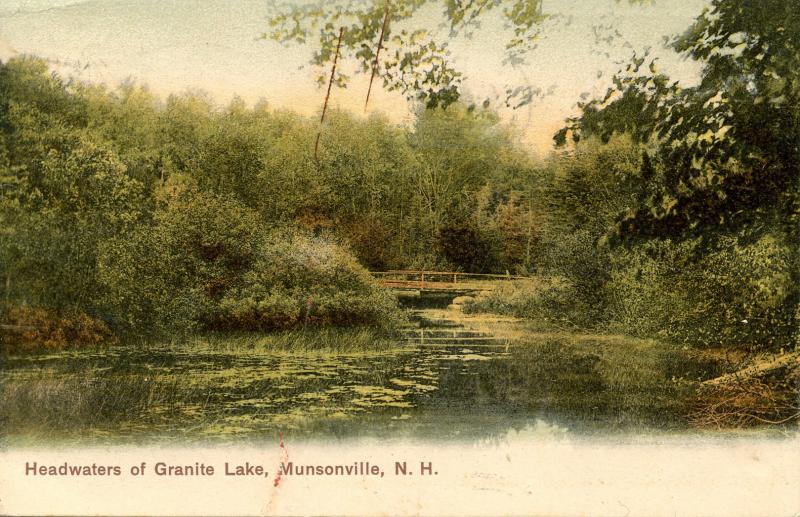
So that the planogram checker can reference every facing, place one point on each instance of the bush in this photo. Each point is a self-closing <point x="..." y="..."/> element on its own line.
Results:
<point x="80" y="198"/>
<point x="207" y="262"/>
<point x="373" y="242"/>
<point x="644" y="297"/>
<point x="735" y="293"/>
<point x="297" y="279"/>
<point x="547" y="300"/>
<point x="27" y="328"/>
<point x="171" y="274"/>
<point x="585" y="270"/>
<point x="468" y="247"/>
<point x="743" y="295"/>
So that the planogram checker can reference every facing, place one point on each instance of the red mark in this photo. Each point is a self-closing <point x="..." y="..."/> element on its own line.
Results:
<point x="284" y="459"/>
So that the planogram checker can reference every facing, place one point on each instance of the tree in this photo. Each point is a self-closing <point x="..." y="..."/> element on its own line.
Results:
<point x="721" y="174"/>
<point x="171" y="272"/>
<point x="457" y="152"/>
<point x="411" y="57"/>
<point x="83" y="198"/>
<point x="728" y="148"/>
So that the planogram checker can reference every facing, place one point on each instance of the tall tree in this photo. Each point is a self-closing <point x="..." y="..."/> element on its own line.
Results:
<point x="729" y="147"/>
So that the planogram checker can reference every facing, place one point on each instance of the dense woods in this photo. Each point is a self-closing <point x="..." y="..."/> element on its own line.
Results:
<point x="215" y="261"/>
<point x="671" y="212"/>
<point x="179" y="214"/>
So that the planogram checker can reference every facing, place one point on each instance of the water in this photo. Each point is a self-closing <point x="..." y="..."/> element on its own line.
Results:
<point x="442" y="379"/>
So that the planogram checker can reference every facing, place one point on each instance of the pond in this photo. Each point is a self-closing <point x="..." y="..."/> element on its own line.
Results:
<point x="442" y="379"/>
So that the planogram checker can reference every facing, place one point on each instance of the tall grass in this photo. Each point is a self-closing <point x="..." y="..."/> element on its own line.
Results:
<point x="108" y="396"/>
<point x="324" y="339"/>
<point x="45" y="402"/>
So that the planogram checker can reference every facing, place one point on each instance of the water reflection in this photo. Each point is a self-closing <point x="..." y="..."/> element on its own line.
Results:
<point x="442" y="380"/>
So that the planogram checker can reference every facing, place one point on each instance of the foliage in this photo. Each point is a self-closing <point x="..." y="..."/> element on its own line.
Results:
<point x="26" y="328"/>
<point x="208" y="262"/>
<point x="161" y="216"/>
<point x="172" y="272"/>
<point x="720" y="168"/>
<point x="296" y="280"/>
<point x="79" y="199"/>
<point x="415" y="58"/>
<point x="735" y="290"/>
<point x="549" y="302"/>
<point x="735" y="295"/>
<point x="727" y="148"/>
<point x="586" y="191"/>
<point x="464" y="244"/>
<point x="148" y="214"/>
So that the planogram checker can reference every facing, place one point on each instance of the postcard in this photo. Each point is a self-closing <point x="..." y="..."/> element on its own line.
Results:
<point x="399" y="257"/>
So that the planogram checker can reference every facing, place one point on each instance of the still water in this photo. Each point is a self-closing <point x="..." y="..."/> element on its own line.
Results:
<point x="441" y="380"/>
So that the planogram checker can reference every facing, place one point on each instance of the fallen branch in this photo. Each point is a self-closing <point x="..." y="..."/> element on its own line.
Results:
<point x="759" y="369"/>
<point x="765" y="394"/>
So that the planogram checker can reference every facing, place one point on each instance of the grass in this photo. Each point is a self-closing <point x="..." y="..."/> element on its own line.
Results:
<point x="311" y="339"/>
<point x="44" y="402"/>
<point x="101" y="394"/>
<point x="314" y="339"/>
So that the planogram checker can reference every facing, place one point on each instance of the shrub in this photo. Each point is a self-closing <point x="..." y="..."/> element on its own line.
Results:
<point x="743" y="295"/>
<point x="372" y="240"/>
<point x="81" y="197"/>
<point x="572" y="288"/>
<point x="585" y="269"/>
<point x="207" y="262"/>
<point x="297" y="279"/>
<point x="171" y="273"/>
<point x="735" y="293"/>
<point x="546" y="300"/>
<point x="27" y="328"/>
<point x="644" y="297"/>
<point x="468" y="247"/>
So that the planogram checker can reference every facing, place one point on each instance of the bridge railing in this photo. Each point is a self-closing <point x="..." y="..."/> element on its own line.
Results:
<point x="438" y="279"/>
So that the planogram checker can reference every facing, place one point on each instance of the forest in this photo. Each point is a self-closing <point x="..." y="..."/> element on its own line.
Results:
<point x="663" y="211"/>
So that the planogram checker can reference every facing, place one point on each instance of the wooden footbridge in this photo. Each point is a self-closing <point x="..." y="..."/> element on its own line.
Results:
<point x="446" y="282"/>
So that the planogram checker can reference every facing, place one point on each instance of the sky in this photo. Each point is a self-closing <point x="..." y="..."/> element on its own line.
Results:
<point x="214" y="45"/>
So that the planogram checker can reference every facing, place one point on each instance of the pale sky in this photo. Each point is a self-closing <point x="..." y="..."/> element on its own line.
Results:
<point x="214" y="45"/>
